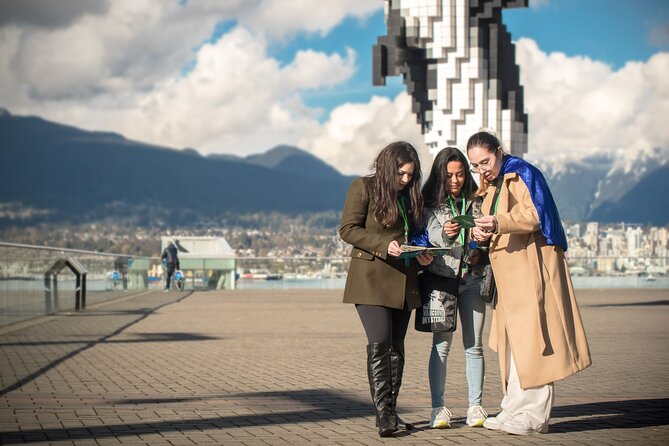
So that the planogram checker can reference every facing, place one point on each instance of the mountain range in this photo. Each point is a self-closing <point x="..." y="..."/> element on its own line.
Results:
<point x="613" y="187"/>
<point x="55" y="172"/>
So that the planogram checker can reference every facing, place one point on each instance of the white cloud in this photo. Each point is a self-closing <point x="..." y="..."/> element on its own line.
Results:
<point x="312" y="69"/>
<point x="355" y="133"/>
<point x="47" y="13"/>
<point x="536" y="4"/>
<point x="579" y="106"/>
<point x="283" y="18"/>
<point x="136" y="44"/>
<point x="124" y="72"/>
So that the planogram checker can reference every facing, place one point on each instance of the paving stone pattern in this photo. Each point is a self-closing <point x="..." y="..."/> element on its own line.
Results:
<point x="288" y="367"/>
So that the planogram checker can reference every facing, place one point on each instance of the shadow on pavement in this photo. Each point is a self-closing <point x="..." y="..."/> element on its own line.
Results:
<point x="652" y="303"/>
<point x="141" y="337"/>
<point x="626" y="414"/>
<point x="323" y="404"/>
<point x="85" y="345"/>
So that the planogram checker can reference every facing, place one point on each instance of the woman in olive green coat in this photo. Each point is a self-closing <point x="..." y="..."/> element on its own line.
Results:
<point x="379" y="214"/>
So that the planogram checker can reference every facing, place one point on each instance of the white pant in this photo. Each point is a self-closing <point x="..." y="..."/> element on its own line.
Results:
<point x="529" y="407"/>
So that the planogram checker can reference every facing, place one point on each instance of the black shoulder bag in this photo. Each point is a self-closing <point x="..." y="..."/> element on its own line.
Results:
<point x="439" y="303"/>
<point x="488" y="286"/>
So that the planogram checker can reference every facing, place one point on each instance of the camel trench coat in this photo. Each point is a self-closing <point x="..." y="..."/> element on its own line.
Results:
<point x="536" y="309"/>
<point x="374" y="278"/>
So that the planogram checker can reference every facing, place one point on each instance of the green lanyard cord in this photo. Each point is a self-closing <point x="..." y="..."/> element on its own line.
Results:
<point x="461" y="235"/>
<point x="403" y="213"/>
<point x="498" y="188"/>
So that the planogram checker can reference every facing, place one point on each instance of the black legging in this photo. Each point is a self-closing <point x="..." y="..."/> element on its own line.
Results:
<point x="384" y="325"/>
<point x="169" y="273"/>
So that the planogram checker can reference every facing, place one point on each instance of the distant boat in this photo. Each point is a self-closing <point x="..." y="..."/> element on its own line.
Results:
<point x="260" y="275"/>
<point x="650" y="278"/>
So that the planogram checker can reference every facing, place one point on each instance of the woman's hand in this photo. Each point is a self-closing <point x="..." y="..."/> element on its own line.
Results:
<point x="424" y="259"/>
<point x="394" y="249"/>
<point x="487" y="223"/>
<point x="480" y="235"/>
<point x="451" y="229"/>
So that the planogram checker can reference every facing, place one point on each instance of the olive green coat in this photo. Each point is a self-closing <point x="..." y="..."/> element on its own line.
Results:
<point x="536" y="310"/>
<point x="374" y="278"/>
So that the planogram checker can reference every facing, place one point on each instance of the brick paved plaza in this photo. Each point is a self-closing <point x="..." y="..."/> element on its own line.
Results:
<point x="288" y="367"/>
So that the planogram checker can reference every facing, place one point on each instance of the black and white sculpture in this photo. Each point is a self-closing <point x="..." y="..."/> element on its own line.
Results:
<point x="459" y="67"/>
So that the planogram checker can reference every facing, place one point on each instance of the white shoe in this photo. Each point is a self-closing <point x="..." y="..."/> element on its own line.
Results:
<point x="476" y="416"/>
<point x="517" y="428"/>
<point x="495" y="423"/>
<point x="441" y="418"/>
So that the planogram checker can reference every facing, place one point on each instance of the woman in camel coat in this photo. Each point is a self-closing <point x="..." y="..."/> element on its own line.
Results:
<point x="536" y="329"/>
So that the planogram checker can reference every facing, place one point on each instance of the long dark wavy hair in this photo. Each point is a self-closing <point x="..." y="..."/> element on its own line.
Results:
<point x="385" y="193"/>
<point x="435" y="190"/>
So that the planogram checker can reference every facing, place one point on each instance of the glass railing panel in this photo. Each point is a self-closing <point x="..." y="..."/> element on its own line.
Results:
<point x="26" y="291"/>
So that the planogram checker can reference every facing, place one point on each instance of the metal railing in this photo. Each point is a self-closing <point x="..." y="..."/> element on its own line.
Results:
<point x="39" y="280"/>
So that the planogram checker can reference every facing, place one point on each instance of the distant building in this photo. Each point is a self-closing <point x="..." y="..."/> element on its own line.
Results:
<point x="207" y="262"/>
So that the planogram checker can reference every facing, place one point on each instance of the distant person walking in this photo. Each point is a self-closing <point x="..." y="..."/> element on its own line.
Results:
<point x="449" y="192"/>
<point x="380" y="214"/>
<point x="170" y="259"/>
<point x="536" y="327"/>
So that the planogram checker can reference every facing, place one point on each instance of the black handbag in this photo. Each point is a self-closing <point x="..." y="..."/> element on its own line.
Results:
<point x="439" y="303"/>
<point x="488" y="286"/>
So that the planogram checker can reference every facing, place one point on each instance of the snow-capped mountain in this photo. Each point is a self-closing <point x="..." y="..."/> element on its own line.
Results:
<point x="616" y="186"/>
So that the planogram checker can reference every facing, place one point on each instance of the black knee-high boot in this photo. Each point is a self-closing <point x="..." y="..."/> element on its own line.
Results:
<point x="396" y="372"/>
<point x="378" y="372"/>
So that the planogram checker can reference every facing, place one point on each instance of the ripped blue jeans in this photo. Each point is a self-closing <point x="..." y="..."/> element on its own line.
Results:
<point x="472" y="316"/>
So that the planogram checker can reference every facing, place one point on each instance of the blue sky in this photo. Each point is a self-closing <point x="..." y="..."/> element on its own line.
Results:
<point x="613" y="31"/>
<point x="241" y="76"/>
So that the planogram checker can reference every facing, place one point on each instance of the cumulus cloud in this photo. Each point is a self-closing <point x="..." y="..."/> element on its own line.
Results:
<point x="136" y="44"/>
<point x="355" y="133"/>
<point x="578" y="106"/>
<point x="149" y="71"/>
<point x="237" y="99"/>
<point x="49" y="13"/>
<point x="284" y="18"/>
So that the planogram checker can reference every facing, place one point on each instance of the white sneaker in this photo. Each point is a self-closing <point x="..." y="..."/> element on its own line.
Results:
<point x="495" y="423"/>
<point x="517" y="428"/>
<point x="476" y="416"/>
<point x="441" y="418"/>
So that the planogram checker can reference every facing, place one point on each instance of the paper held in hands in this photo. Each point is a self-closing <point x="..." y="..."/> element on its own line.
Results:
<point x="466" y="221"/>
<point x="409" y="251"/>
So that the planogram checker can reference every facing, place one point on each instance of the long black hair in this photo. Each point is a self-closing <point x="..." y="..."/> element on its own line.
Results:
<point x="435" y="190"/>
<point x="385" y="193"/>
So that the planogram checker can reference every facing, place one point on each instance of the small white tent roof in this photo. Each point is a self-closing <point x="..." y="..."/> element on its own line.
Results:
<point x="201" y="247"/>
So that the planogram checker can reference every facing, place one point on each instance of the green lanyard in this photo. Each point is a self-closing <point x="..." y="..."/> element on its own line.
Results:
<point x="461" y="236"/>
<point x="495" y="198"/>
<point x="403" y="213"/>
